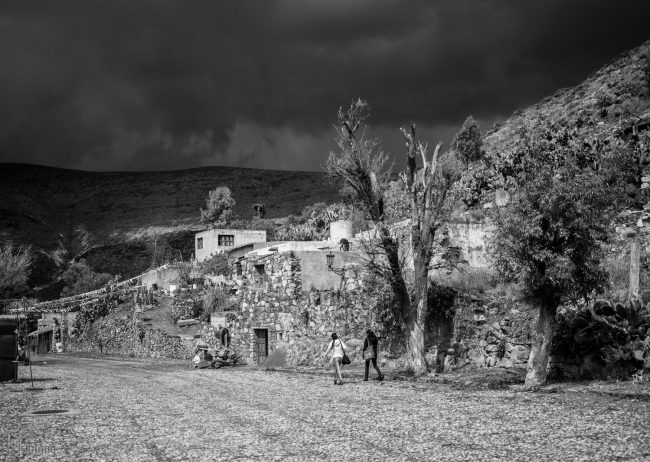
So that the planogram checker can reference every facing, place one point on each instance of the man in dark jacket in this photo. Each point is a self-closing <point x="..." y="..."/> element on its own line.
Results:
<point x="370" y="352"/>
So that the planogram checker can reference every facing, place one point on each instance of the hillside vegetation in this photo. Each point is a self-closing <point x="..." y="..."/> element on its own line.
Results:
<point x="43" y="206"/>
<point x="611" y="99"/>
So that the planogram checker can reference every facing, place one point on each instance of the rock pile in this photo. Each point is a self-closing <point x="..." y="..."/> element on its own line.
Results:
<point x="493" y="334"/>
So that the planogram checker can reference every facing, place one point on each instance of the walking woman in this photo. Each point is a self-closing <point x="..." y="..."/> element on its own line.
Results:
<point x="336" y="346"/>
<point x="370" y="351"/>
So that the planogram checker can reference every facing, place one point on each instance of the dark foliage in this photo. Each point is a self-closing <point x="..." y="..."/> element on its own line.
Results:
<point x="613" y="336"/>
<point x="467" y="143"/>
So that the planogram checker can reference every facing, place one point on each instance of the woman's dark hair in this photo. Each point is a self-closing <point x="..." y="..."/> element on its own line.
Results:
<point x="370" y="333"/>
<point x="334" y="336"/>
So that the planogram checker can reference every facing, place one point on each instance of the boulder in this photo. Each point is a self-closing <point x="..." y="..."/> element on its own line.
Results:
<point x="476" y="356"/>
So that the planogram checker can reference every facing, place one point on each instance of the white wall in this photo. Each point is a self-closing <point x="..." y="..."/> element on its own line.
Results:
<point x="211" y="240"/>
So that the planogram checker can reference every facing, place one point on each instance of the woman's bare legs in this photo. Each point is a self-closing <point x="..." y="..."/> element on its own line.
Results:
<point x="337" y="370"/>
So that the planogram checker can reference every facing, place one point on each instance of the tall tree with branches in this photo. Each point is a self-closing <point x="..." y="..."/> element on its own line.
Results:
<point x="430" y="191"/>
<point x="363" y="167"/>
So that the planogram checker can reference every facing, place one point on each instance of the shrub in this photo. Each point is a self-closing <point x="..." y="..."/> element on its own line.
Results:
<point x="216" y="299"/>
<point x="215" y="265"/>
<point x="604" y="99"/>
<point x="611" y="335"/>
<point x="185" y="306"/>
<point x="80" y="278"/>
<point x="467" y="142"/>
<point x="468" y="280"/>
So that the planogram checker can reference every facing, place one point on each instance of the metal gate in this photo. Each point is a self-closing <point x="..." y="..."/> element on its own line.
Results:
<point x="261" y="347"/>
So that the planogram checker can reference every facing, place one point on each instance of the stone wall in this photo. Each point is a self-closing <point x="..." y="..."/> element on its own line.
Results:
<point x="493" y="332"/>
<point x="470" y="237"/>
<point x="120" y="335"/>
<point x="271" y="299"/>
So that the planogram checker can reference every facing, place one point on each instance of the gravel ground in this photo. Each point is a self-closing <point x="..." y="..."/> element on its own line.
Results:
<point x="140" y="410"/>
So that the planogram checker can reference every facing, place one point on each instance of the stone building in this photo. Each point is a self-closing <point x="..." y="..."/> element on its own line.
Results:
<point x="293" y="295"/>
<point x="212" y="241"/>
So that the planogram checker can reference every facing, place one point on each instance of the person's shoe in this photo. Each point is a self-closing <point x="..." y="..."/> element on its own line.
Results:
<point x="336" y="382"/>
<point x="340" y="382"/>
<point x="366" y="379"/>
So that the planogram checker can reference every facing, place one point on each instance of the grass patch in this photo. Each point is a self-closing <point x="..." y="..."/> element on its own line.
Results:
<point x="469" y="280"/>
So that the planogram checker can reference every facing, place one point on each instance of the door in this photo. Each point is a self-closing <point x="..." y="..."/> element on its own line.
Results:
<point x="44" y="343"/>
<point x="261" y="347"/>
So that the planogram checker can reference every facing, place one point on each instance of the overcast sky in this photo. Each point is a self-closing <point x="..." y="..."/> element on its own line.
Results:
<point x="159" y="84"/>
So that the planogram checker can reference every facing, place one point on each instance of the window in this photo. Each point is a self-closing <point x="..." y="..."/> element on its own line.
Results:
<point x="199" y="243"/>
<point x="238" y="268"/>
<point x="226" y="240"/>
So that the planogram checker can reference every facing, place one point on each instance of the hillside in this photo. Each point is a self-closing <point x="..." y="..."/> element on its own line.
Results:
<point x="43" y="205"/>
<point x="610" y="100"/>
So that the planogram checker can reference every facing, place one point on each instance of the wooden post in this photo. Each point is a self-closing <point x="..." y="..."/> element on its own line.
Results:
<point x="635" y="253"/>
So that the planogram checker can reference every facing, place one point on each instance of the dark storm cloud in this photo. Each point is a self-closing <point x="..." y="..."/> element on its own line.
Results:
<point x="151" y="85"/>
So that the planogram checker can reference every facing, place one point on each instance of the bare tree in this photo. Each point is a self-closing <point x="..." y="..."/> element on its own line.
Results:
<point x="362" y="165"/>
<point x="430" y="191"/>
<point x="14" y="267"/>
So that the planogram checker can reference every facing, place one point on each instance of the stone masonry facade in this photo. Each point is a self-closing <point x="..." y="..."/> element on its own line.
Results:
<point x="270" y="304"/>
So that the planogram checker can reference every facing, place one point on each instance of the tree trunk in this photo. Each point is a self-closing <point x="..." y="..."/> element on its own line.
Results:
<point x="541" y="349"/>
<point x="635" y="252"/>
<point x="417" y="317"/>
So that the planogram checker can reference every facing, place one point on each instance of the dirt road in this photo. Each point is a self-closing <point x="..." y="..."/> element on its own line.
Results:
<point x="143" y="410"/>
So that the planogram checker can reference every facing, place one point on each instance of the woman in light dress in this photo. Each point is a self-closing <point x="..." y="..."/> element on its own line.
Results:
<point x="336" y="346"/>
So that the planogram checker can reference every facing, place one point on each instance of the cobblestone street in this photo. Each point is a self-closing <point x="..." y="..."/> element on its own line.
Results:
<point x="164" y="410"/>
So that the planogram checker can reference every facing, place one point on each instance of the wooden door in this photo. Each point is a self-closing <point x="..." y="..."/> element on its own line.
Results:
<point x="261" y="347"/>
<point x="44" y="343"/>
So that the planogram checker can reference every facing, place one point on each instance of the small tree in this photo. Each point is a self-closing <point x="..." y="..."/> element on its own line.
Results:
<point x="80" y="278"/>
<point x="14" y="268"/>
<point x="549" y="237"/>
<point x="259" y="210"/>
<point x="159" y="250"/>
<point x="219" y="208"/>
<point x="467" y="143"/>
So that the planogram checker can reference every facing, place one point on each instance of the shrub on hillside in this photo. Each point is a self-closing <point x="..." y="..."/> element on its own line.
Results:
<point x="215" y="265"/>
<point x="219" y="207"/>
<point x="468" y="280"/>
<point x="216" y="299"/>
<point x="80" y="278"/>
<point x="468" y="141"/>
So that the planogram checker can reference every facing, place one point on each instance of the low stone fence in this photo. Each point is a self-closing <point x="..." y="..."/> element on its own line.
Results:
<point x="121" y="336"/>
